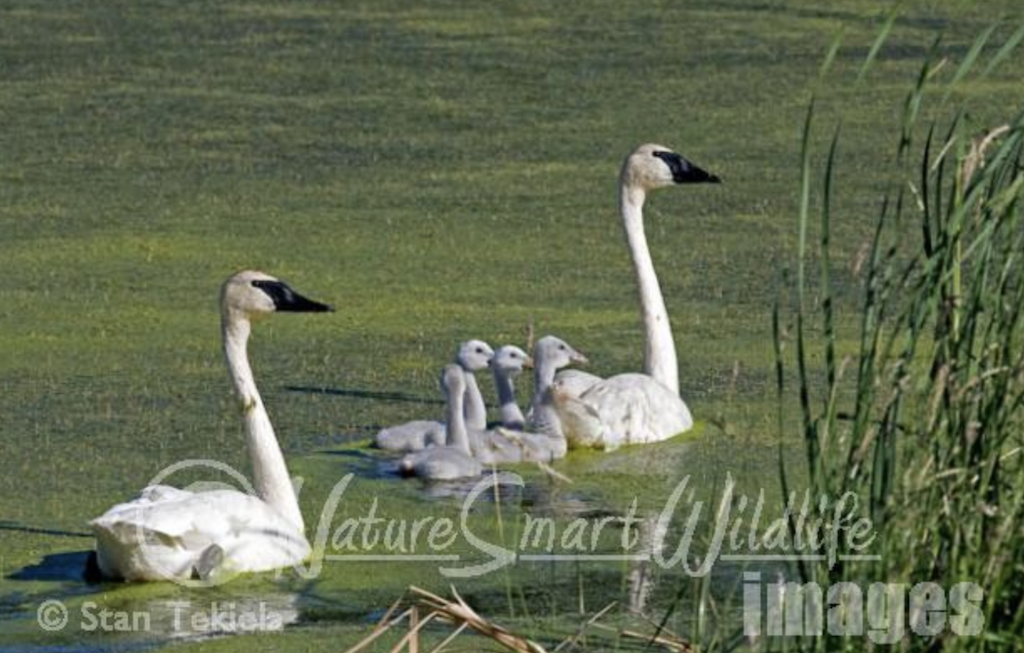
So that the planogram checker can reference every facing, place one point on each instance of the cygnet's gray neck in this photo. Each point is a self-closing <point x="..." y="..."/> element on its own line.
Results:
<point x="455" y="422"/>
<point x="511" y="415"/>
<point x="475" y="409"/>
<point x="545" y="419"/>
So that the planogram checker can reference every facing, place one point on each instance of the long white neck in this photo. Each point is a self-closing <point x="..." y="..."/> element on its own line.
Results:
<point x="476" y="410"/>
<point x="659" y="348"/>
<point x="270" y="474"/>
<point x="511" y="415"/>
<point x="455" y="423"/>
<point x="545" y="419"/>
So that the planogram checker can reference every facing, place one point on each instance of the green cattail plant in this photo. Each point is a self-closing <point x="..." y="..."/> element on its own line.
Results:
<point x="924" y="422"/>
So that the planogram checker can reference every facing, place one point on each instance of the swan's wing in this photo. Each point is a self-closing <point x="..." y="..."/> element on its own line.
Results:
<point x="581" y="423"/>
<point x="576" y="382"/>
<point x="636" y="409"/>
<point x="572" y="383"/>
<point x="410" y="436"/>
<point x="164" y="534"/>
<point x="157" y="493"/>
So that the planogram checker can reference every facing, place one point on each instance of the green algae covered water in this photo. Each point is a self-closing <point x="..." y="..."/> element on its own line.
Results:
<point x="437" y="172"/>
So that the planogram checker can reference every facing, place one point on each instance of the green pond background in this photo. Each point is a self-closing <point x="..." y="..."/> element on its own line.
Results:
<point x="438" y="171"/>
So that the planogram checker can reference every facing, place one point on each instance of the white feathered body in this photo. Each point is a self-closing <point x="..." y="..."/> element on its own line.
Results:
<point x="622" y="410"/>
<point x="166" y="533"/>
<point x="576" y="382"/>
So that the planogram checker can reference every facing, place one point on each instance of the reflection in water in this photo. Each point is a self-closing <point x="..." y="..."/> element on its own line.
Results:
<point x="131" y="617"/>
<point x="202" y="616"/>
<point x="499" y="489"/>
<point x="641" y="573"/>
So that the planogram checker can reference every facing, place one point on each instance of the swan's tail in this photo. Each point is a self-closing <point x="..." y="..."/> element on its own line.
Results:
<point x="130" y="551"/>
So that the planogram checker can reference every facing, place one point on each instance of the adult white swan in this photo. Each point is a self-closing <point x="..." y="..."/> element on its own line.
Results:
<point x="635" y="408"/>
<point x="166" y="533"/>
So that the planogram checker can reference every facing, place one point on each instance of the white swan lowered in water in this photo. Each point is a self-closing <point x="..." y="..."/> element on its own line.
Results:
<point x="171" y="534"/>
<point x="634" y="408"/>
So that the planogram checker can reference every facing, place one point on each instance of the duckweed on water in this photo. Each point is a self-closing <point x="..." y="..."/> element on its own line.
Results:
<point x="437" y="172"/>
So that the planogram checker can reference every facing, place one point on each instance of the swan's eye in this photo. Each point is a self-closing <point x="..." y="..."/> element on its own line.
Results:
<point x="562" y="347"/>
<point x="479" y="351"/>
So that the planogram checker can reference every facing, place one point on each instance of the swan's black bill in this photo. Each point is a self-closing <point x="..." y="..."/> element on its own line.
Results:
<point x="685" y="172"/>
<point x="287" y="300"/>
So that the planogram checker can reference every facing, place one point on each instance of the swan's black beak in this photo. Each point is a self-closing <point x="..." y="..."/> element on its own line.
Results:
<point x="287" y="300"/>
<point x="686" y="172"/>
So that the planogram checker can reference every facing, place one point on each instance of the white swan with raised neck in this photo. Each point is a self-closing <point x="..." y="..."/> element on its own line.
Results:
<point x="168" y="533"/>
<point x="646" y="407"/>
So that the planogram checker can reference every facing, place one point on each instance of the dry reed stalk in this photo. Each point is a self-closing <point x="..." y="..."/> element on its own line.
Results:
<point x="458" y="613"/>
<point x="584" y="626"/>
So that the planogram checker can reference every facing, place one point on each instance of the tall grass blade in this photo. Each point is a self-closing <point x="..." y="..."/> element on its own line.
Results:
<point x="828" y="318"/>
<point x="830" y="56"/>
<point x="801" y="353"/>
<point x="1005" y="51"/>
<point x="970" y="58"/>
<point x="876" y="46"/>
<point x="936" y="409"/>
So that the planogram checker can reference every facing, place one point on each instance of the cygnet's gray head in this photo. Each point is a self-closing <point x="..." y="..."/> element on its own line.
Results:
<point x="453" y="380"/>
<point x="511" y="360"/>
<point x="474" y="355"/>
<point x="556" y="353"/>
